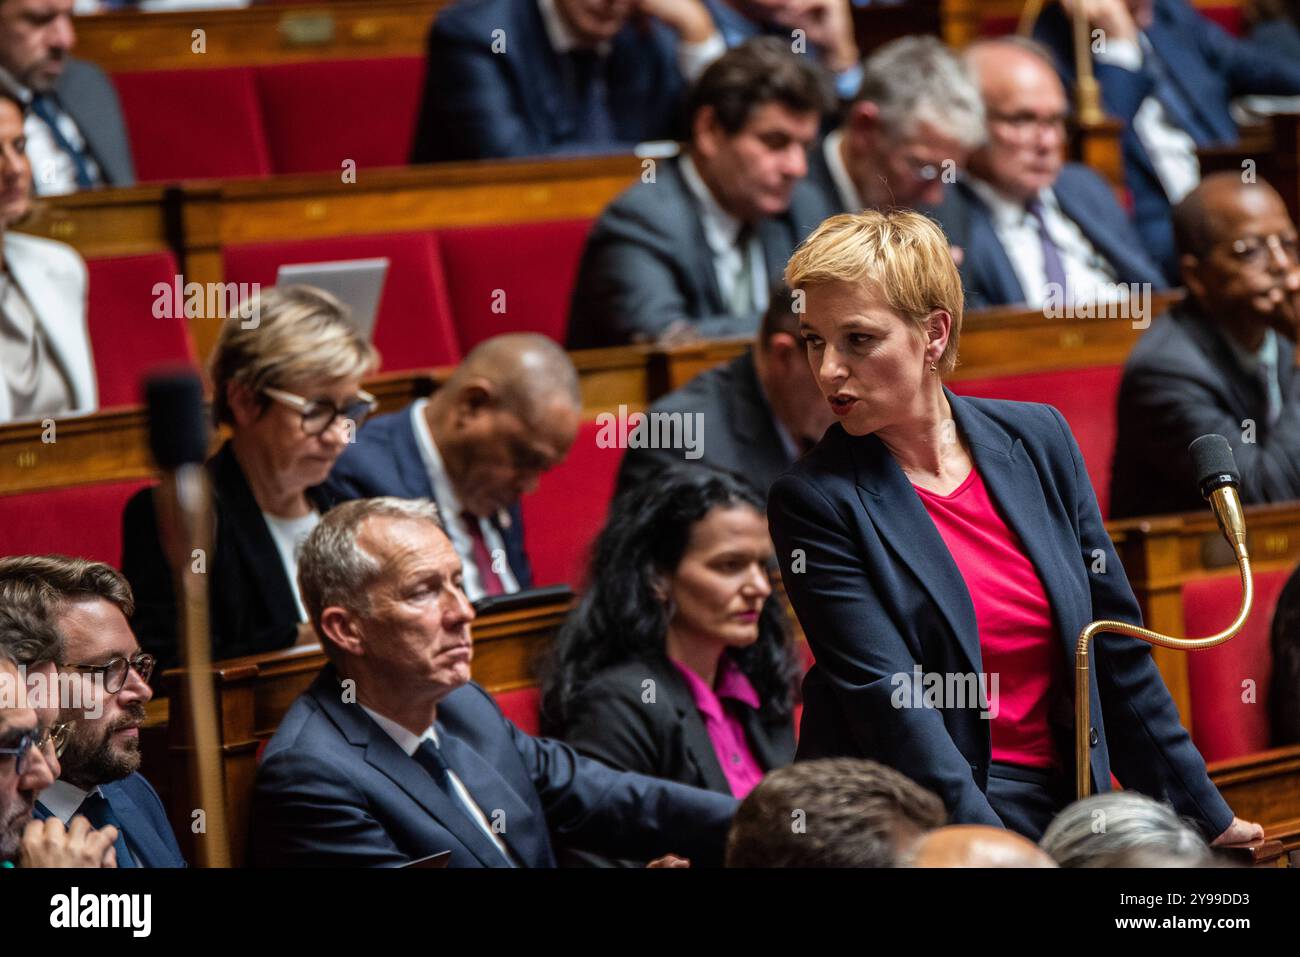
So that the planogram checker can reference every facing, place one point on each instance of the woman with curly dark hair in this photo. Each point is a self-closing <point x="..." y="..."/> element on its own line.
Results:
<point x="677" y="661"/>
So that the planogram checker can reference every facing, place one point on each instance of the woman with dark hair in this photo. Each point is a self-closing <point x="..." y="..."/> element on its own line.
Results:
<point x="677" y="661"/>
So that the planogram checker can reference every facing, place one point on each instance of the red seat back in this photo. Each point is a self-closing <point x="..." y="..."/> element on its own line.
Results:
<point x="413" y="329"/>
<point x="126" y="336"/>
<point x="522" y="706"/>
<point x="564" y="515"/>
<point x="1086" y="397"/>
<point x="1229" y="683"/>
<point x="320" y="114"/>
<point x="84" y="521"/>
<point x="515" y="278"/>
<point x="190" y="124"/>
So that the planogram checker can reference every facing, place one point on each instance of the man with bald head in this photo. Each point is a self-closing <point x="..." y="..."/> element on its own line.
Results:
<point x="1034" y="228"/>
<point x="978" y="845"/>
<point x="1223" y="361"/>
<point x="507" y="415"/>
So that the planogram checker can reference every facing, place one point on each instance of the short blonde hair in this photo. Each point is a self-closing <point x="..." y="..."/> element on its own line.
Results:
<point x="902" y="253"/>
<point x="294" y="334"/>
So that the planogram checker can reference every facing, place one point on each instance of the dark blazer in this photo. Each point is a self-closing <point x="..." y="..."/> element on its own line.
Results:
<point x="1210" y="68"/>
<point x="737" y="432"/>
<point x="252" y="608"/>
<point x="1180" y="382"/>
<point x="823" y="183"/>
<point x="647" y="264"/>
<point x="385" y="460"/>
<point x="86" y="95"/>
<point x="479" y="103"/>
<point x="145" y="827"/>
<point x="986" y="270"/>
<point x="878" y="593"/>
<point x="334" y="790"/>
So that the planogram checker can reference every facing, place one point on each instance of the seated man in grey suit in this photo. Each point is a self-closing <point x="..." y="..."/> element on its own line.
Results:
<point x="507" y="415"/>
<point x="692" y="249"/>
<point x="76" y="138"/>
<point x="758" y="412"/>
<point x="394" y="755"/>
<point x="1223" y="361"/>
<point x="913" y="122"/>
<point x="1033" y="228"/>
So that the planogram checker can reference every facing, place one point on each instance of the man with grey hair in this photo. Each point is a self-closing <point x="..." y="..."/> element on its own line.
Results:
<point x="507" y="415"/>
<point x="915" y="119"/>
<point x="1100" y="830"/>
<point x="394" y="755"/>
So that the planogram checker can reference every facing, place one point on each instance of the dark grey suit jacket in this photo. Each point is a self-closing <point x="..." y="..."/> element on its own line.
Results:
<point x="737" y="432"/>
<point x="85" y="94"/>
<point x="647" y="264"/>
<point x="1181" y="381"/>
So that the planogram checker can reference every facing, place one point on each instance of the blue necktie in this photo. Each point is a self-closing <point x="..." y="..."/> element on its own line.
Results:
<point x="429" y="756"/>
<point x="96" y="809"/>
<point x="43" y="108"/>
<point x="1053" y="268"/>
<point x="591" y="93"/>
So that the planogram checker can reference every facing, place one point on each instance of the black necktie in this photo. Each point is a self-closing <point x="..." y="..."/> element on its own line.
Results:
<point x="96" y="809"/>
<point x="591" y="94"/>
<point x="46" y="110"/>
<point x="429" y="756"/>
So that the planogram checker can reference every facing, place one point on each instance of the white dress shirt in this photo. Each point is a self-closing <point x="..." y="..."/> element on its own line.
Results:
<point x="450" y="509"/>
<point x="1089" y="276"/>
<point x="1172" y="150"/>
<point x="410" y="743"/>
<point x="1265" y="360"/>
<point x="53" y="171"/>
<point x="288" y="535"/>
<point x="721" y="230"/>
<point x="844" y="185"/>
<point x="62" y="799"/>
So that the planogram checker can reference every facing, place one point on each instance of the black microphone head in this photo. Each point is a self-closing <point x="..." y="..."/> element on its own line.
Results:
<point x="178" y="425"/>
<point x="1212" y="459"/>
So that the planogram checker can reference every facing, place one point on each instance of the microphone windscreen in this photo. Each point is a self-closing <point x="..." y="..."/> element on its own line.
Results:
<point x="178" y="425"/>
<point x="1212" y="457"/>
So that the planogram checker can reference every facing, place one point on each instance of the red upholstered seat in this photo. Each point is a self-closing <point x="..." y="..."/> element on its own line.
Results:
<point x="515" y="278"/>
<point x="562" y="518"/>
<point x="126" y="337"/>
<point x="413" y="329"/>
<point x="320" y="114"/>
<point x="1086" y="397"/>
<point x="189" y="124"/>
<point x="1223" y="725"/>
<point x="523" y="707"/>
<point x="84" y="521"/>
<point x="1231" y="18"/>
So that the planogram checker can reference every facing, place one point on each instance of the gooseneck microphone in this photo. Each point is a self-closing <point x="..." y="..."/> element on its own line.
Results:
<point x="178" y="438"/>
<point x="1216" y="475"/>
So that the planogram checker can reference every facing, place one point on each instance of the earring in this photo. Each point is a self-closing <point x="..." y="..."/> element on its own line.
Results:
<point x="932" y="368"/>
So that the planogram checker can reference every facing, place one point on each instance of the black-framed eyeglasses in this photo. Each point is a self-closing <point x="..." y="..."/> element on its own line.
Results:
<point x="115" y="670"/>
<point x="21" y="752"/>
<point x="57" y="736"/>
<point x="318" y="415"/>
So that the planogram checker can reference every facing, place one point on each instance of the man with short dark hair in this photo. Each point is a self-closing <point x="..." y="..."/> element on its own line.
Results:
<point x="692" y="250"/>
<point x="832" y="812"/>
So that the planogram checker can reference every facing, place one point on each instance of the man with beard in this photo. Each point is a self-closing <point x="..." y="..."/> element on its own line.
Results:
<point x="89" y="604"/>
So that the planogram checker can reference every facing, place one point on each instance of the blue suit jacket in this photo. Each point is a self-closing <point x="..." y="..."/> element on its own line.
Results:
<point x="1210" y="66"/>
<point x="145" y="827"/>
<point x="385" y="460"/>
<point x="334" y="789"/>
<point x="986" y="270"/>
<point x="878" y="593"/>
<point x="481" y="102"/>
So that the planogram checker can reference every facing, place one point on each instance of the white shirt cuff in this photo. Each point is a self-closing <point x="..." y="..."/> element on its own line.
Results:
<point x="1125" y="54"/>
<point x="694" y="58"/>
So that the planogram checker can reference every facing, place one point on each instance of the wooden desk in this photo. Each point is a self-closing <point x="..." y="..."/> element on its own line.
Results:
<point x="107" y="222"/>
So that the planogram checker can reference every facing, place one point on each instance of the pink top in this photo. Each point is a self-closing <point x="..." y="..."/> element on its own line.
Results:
<point x="1018" y="641"/>
<point x="725" y="732"/>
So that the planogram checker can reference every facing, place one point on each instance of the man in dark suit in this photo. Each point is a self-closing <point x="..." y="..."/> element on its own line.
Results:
<point x="394" y="755"/>
<point x="913" y="121"/>
<point x="1169" y="74"/>
<point x="1223" y="362"/>
<point x="534" y="77"/>
<point x="88" y="604"/>
<point x="1034" y="229"/>
<point x="76" y="137"/>
<point x="507" y="415"/>
<point x="692" y="250"/>
<point x="758" y="412"/>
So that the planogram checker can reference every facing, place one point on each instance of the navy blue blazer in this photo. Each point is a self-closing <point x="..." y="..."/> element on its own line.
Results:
<point x="385" y="460"/>
<point x="877" y="593"/>
<point x="335" y="789"/>
<point x="482" y="101"/>
<point x="145" y="827"/>
<point x="1210" y="68"/>
<point x="986" y="270"/>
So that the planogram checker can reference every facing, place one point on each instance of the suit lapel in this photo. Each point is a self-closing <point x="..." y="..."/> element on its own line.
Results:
<point x="748" y="405"/>
<point x="695" y="736"/>
<point x="705" y="275"/>
<point x="412" y="474"/>
<point x="145" y="844"/>
<point x="774" y="234"/>
<point x="985" y="246"/>
<point x="496" y="799"/>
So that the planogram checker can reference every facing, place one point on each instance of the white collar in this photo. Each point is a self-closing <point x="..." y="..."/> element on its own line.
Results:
<point x="62" y="799"/>
<point x="1251" y="362"/>
<point x="408" y="742"/>
<point x="560" y="34"/>
<point x="443" y="492"/>
<point x="1008" y="213"/>
<point x="844" y="184"/>
<point x="720" y="228"/>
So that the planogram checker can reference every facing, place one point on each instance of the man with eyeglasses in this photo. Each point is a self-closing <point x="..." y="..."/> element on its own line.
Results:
<point x="105" y="687"/>
<point x="1223" y="361"/>
<point x="1035" y="229"/>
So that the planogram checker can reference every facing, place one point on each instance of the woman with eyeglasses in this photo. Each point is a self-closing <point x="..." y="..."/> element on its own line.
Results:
<point x="286" y="380"/>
